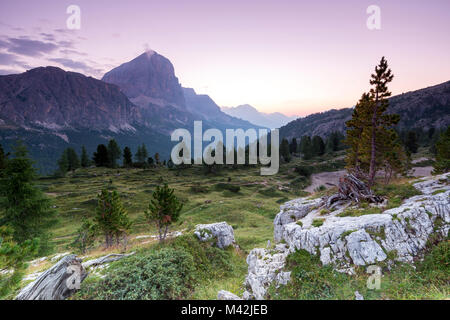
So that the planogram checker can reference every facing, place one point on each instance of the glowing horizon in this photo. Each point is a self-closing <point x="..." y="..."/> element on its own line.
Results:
<point x="293" y="57"/>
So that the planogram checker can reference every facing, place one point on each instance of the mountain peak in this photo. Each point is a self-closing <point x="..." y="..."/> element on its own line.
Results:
<point x="148" y="78"/>
<point x="246" y="107"/>
<point x="250" y="113"/>
<point x="149" y="53"/>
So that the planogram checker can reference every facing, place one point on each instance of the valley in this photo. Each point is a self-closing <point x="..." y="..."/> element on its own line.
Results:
<point x="250" y="208"/>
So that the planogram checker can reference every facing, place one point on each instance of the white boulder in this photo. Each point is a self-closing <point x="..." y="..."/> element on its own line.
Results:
<point x="221" y="231"/>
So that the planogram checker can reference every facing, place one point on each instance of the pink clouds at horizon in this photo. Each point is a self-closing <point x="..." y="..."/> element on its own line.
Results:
<point x="295" y="57"/>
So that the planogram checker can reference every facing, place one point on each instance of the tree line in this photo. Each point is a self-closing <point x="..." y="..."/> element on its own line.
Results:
<point x="108" y="156"/>
<point x="309" y="147"/>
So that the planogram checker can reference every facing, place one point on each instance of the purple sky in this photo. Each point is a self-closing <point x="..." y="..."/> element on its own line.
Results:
<point x="296" y="57"/>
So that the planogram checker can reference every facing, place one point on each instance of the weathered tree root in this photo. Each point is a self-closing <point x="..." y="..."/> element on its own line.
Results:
<point x="352" y="189"/>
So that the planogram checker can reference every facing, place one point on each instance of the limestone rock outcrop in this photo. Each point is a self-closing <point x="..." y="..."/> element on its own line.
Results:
<point x="291" y="212"/>
<point x="398" y="234"/>
<point x="401" y="232"/>
<point x="221" y="231"/>
<point x="264" y="267"/>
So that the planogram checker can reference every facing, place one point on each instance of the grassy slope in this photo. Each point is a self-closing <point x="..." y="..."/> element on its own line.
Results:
<point x="250" y="211"/>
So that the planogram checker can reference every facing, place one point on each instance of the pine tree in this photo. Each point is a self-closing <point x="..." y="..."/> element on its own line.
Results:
<point x="141" y="154"/>
<point x="306" y="147"/>
<point x="318" y="146"/>
<point x="144" y="152"/>
<point x="355" y="127"/>
<point x="127" y="158"/>
<point x="114" y="153"/>
<point x="74" y="161"/>
<point x="411" y="142"/>
<point x="25" y="208"/>
<point x="63" y="163"/>
<point x="396" y="160"/>
<point x="284" y="150"/>
<point x="380" y="122"/>
<point x="3" y="158"/>
<point x="370" y="135"/>
<point x="111" y="218"/>
<point x="101" y="156"/>
<point x="163" y="210"/>
<point x="12" y="257"/>
<point x="69" y="161"/>
<point x="293" y="146"/>
<point x="442" y="163"/>
<point x="85" y="162"/>
<point x="138" y="155"/>
<point x="86" y="235"/>
<point x="334" y="142"/>
<point x="433" y="141"/>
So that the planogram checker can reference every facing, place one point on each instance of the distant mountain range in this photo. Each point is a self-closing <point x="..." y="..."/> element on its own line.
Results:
<point x="140" y="101"/>
<point x="424" y="108"/>
<point x="247" y="112"/>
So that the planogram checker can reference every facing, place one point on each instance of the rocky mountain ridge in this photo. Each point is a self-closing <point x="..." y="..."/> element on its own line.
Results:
<point x="424" y="108"/>
<point x="51" y="98"/>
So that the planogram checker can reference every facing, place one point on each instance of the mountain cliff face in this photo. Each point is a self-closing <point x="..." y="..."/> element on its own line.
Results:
<point x="149" y="82"/>
<point x="424" y="108"/>
<point x="54" y="99"/>
<point x="249" y="113"/>
<point x="149" y="78"/>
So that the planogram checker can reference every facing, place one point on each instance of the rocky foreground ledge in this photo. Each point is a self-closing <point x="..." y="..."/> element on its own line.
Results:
<point x="64" y="278"/>
<point x="398" y="234"/>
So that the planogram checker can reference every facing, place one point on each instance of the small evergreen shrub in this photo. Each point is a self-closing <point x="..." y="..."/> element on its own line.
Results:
<point x="168" y="271"/>
<point x="158" y="275"/>
<point x="304" y="171"/>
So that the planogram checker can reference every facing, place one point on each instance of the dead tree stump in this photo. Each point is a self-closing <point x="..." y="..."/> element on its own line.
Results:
<point x="57" y="283"/>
